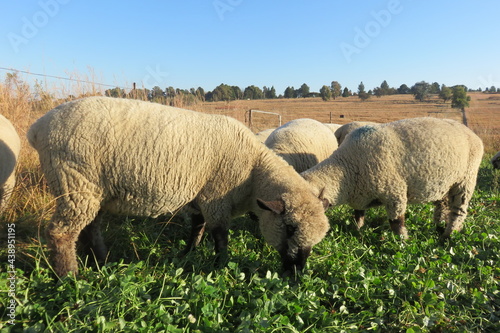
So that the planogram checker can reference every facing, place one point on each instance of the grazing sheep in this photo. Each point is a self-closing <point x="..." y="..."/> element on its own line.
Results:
<point x="131" y="157"/>
<point x="263" y="135"/>
<point x="404" y="162"/>
<point x="496" y="161"/>
<point x="303" y="143"/>
<point x="343" y="130"/>
<point x="10" y="146"/>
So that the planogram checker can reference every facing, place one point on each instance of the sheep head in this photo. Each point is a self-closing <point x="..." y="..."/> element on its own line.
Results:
<point x="293" y="224"/>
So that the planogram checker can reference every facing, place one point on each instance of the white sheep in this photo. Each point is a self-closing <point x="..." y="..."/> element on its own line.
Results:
<point x="303" y="143"/>
<point x="10" y="145"/>
<point x="409" y="161"/>
<point x="496" y="161"/>
<point x="345" y="129"/>
<point x="131" y="157"/>
<point x="332" y="127"/>
<point x="263" y="135"/>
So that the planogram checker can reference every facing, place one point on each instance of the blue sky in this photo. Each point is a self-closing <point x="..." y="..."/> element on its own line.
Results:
<point x="276" y="43"/>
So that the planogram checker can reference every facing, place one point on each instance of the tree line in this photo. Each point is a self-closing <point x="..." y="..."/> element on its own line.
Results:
<point x="174" y="96"/>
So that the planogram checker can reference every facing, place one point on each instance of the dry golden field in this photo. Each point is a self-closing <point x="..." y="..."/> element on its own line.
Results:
<point x="483" y="115"/>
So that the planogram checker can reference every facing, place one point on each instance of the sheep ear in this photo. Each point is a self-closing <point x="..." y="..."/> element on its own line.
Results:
<point x="277" y="207"/>
<point x="326" y="203"/>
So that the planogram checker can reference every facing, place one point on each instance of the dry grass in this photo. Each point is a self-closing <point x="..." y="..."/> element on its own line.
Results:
<point x="483" y="115"/>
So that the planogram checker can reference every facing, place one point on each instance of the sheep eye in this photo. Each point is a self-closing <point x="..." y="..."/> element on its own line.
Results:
<point x="290" y="230"/>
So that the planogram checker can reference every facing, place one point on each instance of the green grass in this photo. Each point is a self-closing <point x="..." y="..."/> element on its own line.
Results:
<point x="354" y="282"/>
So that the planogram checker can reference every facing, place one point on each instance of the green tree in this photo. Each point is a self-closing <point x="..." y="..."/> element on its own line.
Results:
<point x="170" y="92"/>
<point x="289" y="92"/>
<point x="200" y="94"/>
<point x="445" y="93"/>
<point x="325" y="93"/>
<point x="385" y="87"/>
<point x="253" y="92"/>
<point x="304" y="90"/>
<point x="404" y="89"/>
<point x="223" y="92"/>
<point x="271" y="93"/>
<point x="336" y="89"/>
<point x="362" y="93"/>
<point x="434" y="88"/>
<point x="346" y="92"/>
<point x="459" y="99"/>
<point x="420" y="90"/>
<point x="115" y="92"/>
<point x="157" y="95"/>
<point x="237" y="93"/>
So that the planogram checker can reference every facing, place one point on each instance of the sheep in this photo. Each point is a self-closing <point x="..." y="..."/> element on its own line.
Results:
<point x="409" y="161"/>
<point x="10" y="145"/>
<point x="496" y="161"/>
<point x="345" y="129"/>
<point x="332" y="127"/>
<point x="263" y="135"/>
<point x="101" y="154"/>
<point x="303" y="143"/>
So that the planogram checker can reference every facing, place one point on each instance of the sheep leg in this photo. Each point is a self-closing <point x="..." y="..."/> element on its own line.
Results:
<point x="359" y="217"/>
<point x="62" y="248"/>
<point x="398" y="227"/>
<point x="458" y="202"/>
<point x="197" y="230"/>
<point x="221" y="238"/>
<point x="91" y="240"/>
<point x="440" y="214"/>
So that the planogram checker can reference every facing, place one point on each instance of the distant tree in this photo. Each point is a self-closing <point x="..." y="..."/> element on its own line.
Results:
<point x="336" y="89"/>
<point x="362" y="93"/>
<point x="304" y="90"/>
<point x="170" y="92"/>
<point x="434" y="88"/>
<point x="325" y="93"/>
<point x="346" y="92"/>
<point x="384" y="87"/>
<point x="157" y="95"/>
<point x="271" y="93"/>
<point x="200" y="94"/>
<point x="378" y="92"/>
<point x="445" y="93"/>
<point x="493" y="89"/>
<point x="404" y="89"/>
<point x="237" y="93"/>
<point x="223" y="92"/>
<point x="459" y="99"/>
<point x="289" y="92"/>
<point x="115" y="92"/>
<point x="420" y="90"/>
<point x="253" y="92"/>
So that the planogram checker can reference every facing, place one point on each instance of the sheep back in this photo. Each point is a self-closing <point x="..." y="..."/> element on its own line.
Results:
<point x="303" y="143"/>
<point x="344" y="130"/>
<point x="141" y="158"/>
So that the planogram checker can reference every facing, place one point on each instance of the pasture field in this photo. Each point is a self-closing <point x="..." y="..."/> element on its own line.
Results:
<point x="354" y="282"/>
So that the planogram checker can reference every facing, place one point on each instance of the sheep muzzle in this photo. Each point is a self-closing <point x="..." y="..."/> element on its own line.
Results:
<point x="294" y="262"/>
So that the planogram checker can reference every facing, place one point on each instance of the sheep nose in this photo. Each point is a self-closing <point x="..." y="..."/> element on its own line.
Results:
<point x="294" y="263"/>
